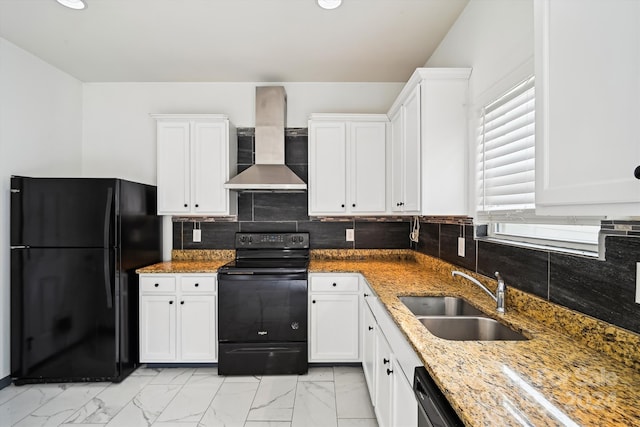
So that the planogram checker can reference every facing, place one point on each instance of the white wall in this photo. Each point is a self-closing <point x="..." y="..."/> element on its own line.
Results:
<point x="495" y="38"/>
<point x="40" y="135"/>
<point x="119" y="135"/>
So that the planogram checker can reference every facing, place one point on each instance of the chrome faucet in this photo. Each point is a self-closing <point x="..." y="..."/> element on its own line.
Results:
<point x="499" y="297"/>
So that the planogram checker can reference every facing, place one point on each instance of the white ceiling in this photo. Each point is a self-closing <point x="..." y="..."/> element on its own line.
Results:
<point x="231" y="40"/>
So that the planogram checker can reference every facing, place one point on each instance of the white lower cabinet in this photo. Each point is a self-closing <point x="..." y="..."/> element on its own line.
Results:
<point x="369" y="330"/>
<point x="388" y="362"/>
<point x="404" y="405"/>
<point x="334" y="324"/>
<point x="384" y="386"/>
<point x="177" y="318"/>
<point x="157" y="328"/>
<point x="197" y="328"/>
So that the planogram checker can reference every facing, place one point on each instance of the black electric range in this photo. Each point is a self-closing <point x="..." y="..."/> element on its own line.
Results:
<point x="262" y="306"/>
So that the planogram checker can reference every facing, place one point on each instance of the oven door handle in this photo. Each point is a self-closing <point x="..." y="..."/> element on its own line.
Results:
<point x="260" y="277"/>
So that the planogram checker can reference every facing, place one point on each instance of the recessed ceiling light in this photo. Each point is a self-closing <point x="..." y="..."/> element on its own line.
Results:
<point x="329" y="4"/>
<point x="73" y="4"/>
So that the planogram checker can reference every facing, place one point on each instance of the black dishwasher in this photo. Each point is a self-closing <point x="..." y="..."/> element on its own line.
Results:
<point x="433" y="408"/>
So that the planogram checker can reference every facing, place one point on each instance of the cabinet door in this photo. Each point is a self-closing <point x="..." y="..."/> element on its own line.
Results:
<point x="209" y="167"/>
<point x="444" y="139"/>
<point x="384" y="381"/>
<point x="158" y="328"/>
<point x="173" y="173"/>
<point x="368" y="144"/>
<point x="411" y="152"/>
<point x="334" y="328"/>
<point x="404" y="410"/>
<point x="327" y="168"/>
<point x="369" y="328"/>
<point x="587" y="107"/>
<point x="397" y="160"/>
<point x="197" y="328"/>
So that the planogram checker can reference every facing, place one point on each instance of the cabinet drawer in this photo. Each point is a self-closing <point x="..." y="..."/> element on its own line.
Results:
<point x="200" y="284"/>
<point x="154" y="283"/>
<point x="334" y="284"/>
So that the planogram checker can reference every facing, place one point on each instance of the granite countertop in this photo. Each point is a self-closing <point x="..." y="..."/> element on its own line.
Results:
<point x="553" y="379"/>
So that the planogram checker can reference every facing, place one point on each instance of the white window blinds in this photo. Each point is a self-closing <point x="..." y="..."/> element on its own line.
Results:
<point x="506" y="152"/>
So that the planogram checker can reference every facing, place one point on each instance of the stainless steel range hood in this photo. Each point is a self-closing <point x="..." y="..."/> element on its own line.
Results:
<point x="269" y="174"/>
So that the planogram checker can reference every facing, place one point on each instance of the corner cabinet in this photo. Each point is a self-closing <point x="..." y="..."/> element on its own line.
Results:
<point x="587" y="56"/>
<point x="178" y="318"/>
<point x="428" y="167"/>
<point x="196" y="155"/>
<point x="347" y="164"/>
<point x="334" y="318"/>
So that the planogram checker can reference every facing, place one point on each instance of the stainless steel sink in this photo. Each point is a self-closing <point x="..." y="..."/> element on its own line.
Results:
<point x="440" y="306"/>
<point x="469" y="329"/>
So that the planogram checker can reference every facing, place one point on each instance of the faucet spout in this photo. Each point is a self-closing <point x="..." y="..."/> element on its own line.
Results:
<point x="499" y="298"/>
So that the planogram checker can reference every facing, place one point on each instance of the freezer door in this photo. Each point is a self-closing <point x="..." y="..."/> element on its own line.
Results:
<point x="64" y="311"/>
<point x="63" y="212"/>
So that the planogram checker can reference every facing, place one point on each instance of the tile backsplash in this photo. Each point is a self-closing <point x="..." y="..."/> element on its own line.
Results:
<point x="601" y="289"/>
<point x="269" y="212"/>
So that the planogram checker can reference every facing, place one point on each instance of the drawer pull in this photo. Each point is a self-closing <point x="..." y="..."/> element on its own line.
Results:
<point x="389" y="371"/>
<point x="371" y="328"/>
<point x="314" y="301"/>
<point x="170" y="302"/>
<point x="197" y="284"/>
<point x="181" y="302"/>
<point x="366" y="295"/>
<point x="156" y="285"/>
<point x="335" y="284"/>
<point x="385" y="361"/>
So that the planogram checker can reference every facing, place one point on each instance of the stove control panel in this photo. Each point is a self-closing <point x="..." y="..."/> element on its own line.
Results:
<point x="272" y="240"/>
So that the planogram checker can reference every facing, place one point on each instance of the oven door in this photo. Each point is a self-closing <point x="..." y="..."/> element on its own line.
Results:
<point x="262" y="308"/>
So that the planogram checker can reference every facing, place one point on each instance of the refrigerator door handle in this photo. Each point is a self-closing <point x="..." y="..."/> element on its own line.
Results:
<point x="107" y="229"/>
<point x="107" y="217"/>
<point x="107" y="279"/>
<point x="19" y="247"/>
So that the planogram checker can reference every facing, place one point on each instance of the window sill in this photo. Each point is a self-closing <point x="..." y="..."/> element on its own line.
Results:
<point x="546" y="248"/>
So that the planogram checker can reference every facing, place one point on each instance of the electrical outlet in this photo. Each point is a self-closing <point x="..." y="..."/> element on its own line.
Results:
<point x="350" y="235"/>
<point x="197" y="235"/>
<point x="461" y="244"/>
<point x="637" y="282"/>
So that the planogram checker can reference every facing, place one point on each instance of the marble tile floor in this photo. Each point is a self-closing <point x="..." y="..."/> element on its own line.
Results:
<point x="196" y="397"/>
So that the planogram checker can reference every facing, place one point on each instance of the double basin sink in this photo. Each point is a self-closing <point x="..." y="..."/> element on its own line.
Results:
<point x="453" y="318"/>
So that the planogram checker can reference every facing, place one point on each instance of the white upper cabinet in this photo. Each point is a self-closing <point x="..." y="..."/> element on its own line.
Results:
<point x="327" y="167"/>
<point x="196" y="156"/>
<point x="347" y="164"/>
<point x="587" y="107"/>
<point x="428" y="165"/>
<point x="405" y="156"/>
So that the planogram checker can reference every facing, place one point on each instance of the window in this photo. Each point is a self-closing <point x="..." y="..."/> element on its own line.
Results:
<point x="506" y="177"/>
<point x="506" y="151"/>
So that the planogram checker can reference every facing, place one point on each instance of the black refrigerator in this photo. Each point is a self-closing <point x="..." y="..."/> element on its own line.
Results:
<point x="75" y="245"/>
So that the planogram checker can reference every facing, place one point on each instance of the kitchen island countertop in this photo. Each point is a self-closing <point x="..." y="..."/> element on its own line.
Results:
<point x="553" y="379"/>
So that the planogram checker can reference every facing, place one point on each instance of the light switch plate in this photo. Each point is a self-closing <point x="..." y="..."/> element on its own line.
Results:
<point x="350" y="235"/>
<point x="461" y="244"/>
<point x="197" y="235"/>
<point x="637" y="282"/>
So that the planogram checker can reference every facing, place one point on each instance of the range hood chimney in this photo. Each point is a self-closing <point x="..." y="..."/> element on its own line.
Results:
<point x="269" y="174"/>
